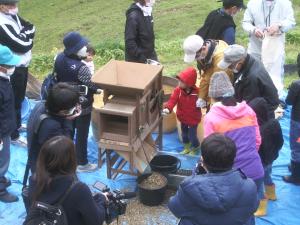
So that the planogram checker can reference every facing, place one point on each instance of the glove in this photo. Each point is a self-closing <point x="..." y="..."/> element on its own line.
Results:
<point x="200" y="103"/>
<point x="165" y="111"/>
<point x="98" y="91"/>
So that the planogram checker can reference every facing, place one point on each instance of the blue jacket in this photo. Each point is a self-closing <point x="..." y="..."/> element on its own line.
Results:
<point x="227" y="198"/>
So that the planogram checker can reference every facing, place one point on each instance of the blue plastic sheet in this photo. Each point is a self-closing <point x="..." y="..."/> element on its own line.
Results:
<point x="285" y="211"/>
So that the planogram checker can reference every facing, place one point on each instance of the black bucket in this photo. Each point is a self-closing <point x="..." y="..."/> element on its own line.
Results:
<point x="165" y="164"/>
<point x="151" y="197"/>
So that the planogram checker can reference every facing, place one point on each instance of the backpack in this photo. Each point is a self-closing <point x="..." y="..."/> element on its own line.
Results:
<point x="45" y="214"/>
<point x="47" y="84"/>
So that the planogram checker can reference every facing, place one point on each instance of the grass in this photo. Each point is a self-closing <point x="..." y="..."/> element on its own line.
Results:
<point x="103" y="21"/>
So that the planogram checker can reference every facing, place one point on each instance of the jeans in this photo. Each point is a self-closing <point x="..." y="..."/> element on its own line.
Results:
<point x="268" y="171"/>
<point x="19" y="82"/>
<point x="82" y="125"/>
<point x="4" y="156"/>
<point x="295" y="140"/>
<point x="260" y="188"/>
<point x="189" y="135"/>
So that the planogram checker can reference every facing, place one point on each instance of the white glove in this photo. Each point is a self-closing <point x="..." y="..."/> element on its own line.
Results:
<point x="200" y="103"/>
<point x="165" y="111"/>
<point x="98" y="91"/>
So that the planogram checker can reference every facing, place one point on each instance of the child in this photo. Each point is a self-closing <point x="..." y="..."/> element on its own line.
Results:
<point x="185" y="97"/>
<point x="293" y="99"/>
<point x="88" y="61"/>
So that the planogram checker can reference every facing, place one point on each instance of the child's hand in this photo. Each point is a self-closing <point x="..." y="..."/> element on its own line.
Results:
<point x="165" y="111"/>
<point x="200" y="103"/>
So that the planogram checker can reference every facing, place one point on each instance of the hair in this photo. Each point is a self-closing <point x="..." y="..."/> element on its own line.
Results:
<point x="91" y="50"/>
<point x="61" y="97"/>
<point x="218" y="153"/>
<point x="57" y="157"/>
<point x="227" y="101"/>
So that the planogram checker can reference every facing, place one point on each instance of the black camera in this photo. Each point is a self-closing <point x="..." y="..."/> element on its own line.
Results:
<point x="116" y="205"/>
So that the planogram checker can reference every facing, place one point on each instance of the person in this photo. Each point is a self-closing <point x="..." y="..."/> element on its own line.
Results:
<point x="219" y="24"/>
<point x="70" y="68"/>
<point x="17" y="34"/>
<point x="185" y="96"/>
<point x="251" y="80"/>
<point x="139" y="33"/>
<point x="89" y="60"/>
<point x="272" y="142"/>
<point x="269" y="19"/>
<point x="221" y="196"/>
<point x="60" y="108"/>
<point x="238" y="122"/>
<point x="56" y="174"/>
<point x="207" y="54"/>
<point x="8" y="61"/>
<point x="293" y="98"/>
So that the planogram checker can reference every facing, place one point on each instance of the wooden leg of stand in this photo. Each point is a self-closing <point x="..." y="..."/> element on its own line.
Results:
<point x="108" y="163"/>
<point x="160" y="136"/>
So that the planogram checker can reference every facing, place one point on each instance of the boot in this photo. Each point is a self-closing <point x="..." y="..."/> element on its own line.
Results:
<point x="262" y="208"/>
<point x="194" y="151"/>
<point x="295" y="177"/>
<point x="270" y="192"/>
<point x="187" y="149"/>
<point x="6" y="197"/>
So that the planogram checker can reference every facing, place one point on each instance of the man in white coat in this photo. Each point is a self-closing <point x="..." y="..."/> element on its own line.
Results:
<point x="267" y="21"/>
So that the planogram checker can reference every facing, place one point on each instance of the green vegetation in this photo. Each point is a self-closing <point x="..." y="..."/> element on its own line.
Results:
<point x="103" y="21"/>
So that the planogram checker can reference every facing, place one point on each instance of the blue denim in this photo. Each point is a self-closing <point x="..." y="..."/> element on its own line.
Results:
<point x="295" y="140"/>
<point x="260" y="188"/>
<point x="268" y="171"/>
<point x="189" y="135"/>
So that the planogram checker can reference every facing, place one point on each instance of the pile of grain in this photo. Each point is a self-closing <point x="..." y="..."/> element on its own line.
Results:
<point x="154" y="181"/>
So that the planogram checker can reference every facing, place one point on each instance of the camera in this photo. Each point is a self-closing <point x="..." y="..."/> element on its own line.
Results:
<point x="116" y="205"/>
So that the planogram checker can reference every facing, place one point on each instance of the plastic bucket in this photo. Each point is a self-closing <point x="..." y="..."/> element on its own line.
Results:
<point x="165" y="164"/>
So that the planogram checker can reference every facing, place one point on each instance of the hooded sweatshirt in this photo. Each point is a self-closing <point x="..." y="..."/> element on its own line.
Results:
<point x="227" y="198"/>
<point x="240" y="124"/>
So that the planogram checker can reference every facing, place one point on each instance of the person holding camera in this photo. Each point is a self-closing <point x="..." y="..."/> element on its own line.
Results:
<point x="55" y="181"/>
<point x="221" y="196"/>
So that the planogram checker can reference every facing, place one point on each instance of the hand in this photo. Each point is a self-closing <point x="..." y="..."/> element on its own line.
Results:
<point x="258" y="33"/>
<point x="78" y="113"/>
<point x="165" y="111"/>
<point x="200" y="103"/>
<point x="98" y="91"/>
<point x="273" y="29"/>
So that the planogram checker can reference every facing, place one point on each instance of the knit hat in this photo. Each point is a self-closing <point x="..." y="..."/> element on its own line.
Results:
<point x="191" y="45"/>
<point x="188" y="76"/>
<point x="7" y="57"/>
<point x="237" y="3"/>
<point x="8" y="1"/>
<point x="232" y="54"/>
<point x="220" y="86"/>
<point x="73" y="42"/>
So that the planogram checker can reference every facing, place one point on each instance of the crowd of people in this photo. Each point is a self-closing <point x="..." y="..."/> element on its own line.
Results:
<point x="239" y="92"/>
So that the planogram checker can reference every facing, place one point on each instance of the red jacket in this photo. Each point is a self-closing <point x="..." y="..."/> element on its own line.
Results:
<point x="187" y="112"/>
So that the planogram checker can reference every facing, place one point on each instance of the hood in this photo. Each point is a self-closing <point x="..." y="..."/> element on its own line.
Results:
<point x="260" y="107"/>
<point x="231" y="112"/>
<point x="188" y="76"/>
<point x="132" y="8"/>
<point x="215" y="193"/>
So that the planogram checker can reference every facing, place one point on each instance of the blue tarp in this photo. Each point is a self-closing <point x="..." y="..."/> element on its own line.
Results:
<point x="285" y="211"/>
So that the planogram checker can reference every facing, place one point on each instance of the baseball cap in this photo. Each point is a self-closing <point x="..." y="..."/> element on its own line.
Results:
<point x="232" y="54"/>
<point x="7" y="57"/>
<point x="191" y="45"/>
<point x="237" y="3"/>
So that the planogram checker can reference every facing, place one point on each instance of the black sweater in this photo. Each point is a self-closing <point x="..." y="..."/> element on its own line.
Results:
<point x="293" y="99"/>
<point x="79" y="205"/>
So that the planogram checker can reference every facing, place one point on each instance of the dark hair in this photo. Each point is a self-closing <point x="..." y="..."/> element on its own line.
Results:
<point x="61" y="97"/>
<point x="57" y="157"/>
<point x="91" y="50"/>
<point x="227" y="101"/>
<point x="218" y="153"/>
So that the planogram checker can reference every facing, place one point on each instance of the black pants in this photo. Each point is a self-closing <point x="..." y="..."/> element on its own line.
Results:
<point x="19" y="82"/>
<point x="82" y="125"/>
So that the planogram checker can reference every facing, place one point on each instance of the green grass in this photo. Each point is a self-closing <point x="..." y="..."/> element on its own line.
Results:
<point x="103" y="21"/>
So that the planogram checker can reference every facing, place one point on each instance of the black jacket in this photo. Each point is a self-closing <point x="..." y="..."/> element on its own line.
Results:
<point x="293" y="99"/>
<point x="79" y="206"/>
<point x="254" y="81"/>
<point x="7" y="109"/>
<point x="139" y="36"/>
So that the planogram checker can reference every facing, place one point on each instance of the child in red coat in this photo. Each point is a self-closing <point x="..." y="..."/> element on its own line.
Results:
<point x="185" y="97"/>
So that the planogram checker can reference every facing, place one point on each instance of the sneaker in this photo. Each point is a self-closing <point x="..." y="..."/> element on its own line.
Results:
<point x="6" y="197"/>
<point x="187" y="149"/>
<point x="194" y="152"/>
<point x="89" y="167"/>
<point x="21" y="141"/>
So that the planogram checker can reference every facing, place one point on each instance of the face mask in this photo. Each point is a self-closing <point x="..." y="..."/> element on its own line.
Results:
<point x="10" y="71"/>
<point x="150" y="3"/>
<point x="13" y="12"/>
<point x="82" y="53"/>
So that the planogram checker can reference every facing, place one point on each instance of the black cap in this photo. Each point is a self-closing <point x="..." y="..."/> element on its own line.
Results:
<point x="237" y="3"/>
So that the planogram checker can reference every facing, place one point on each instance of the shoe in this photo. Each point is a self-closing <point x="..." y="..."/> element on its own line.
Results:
<point x="6" y="197"/>
<point x="87" y="168"/>
<point x="262" y="208"/>
<point x="294" y="178"/>
<point x="187" y="149"/>
<point x="270" y="192"/>
<point x="21" y="141"/>
<point x="194" y="151"/>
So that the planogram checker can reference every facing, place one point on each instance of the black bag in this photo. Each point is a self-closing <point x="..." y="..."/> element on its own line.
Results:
<point x="45" y="214"/>
<point x="47" y="84"/>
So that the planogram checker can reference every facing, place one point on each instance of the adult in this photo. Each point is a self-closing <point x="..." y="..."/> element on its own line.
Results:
<point x="251" y="80"/>
<point x="70" y="68"/>
<point x="219" y="24"/>
<point x="17" y="34"/>
<point x="238" y="122"/>
<point x="55" y="180"/>
<point x="222" y="196"/>
<point x="268" y="21"/>
<point x="207" y="54"/>
<point x="8" y="61"/>
<point x="58" y="110"/>
<point x="139" y="33"/>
